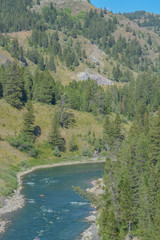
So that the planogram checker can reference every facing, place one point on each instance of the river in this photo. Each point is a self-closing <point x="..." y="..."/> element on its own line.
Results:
<point x="53" y="211"/>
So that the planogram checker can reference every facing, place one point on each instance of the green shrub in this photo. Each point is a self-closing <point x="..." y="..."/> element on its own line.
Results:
<point x="57" y="152"/>
<point x="24" y="164"/>
<point x="84" y="152"/>
<point x="25" y="144"/>
<point x="73" y="145"/>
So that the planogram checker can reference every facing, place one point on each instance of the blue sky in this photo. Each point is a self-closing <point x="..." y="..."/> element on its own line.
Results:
<point x="128" y="5"/>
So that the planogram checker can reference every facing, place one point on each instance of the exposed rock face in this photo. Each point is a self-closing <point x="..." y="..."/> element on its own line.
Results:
<point x="91" y="233"/>
<point x="99" y="78"/>
<point x="61" y="4"/>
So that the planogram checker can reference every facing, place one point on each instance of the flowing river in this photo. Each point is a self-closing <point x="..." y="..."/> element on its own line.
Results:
<point x="53" y="211"/>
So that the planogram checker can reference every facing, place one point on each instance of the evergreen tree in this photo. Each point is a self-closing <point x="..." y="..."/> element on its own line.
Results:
<point x="41" y="63"/>
<point x="55" y="138"/>
<point x="126" y="203"/>
<point x="13" y="86"/>
<point x="155" y="139"/>
<point x="149" y="41"/>
<point x="28" y="84"/>
<point x="21" y="55"/>
<point x="51" y="65"/>
<point x="29" y="118"/>
<point x="108" y="132"/>
<point x="117" y="126"/>
<point x="44" y="88"/>
<point x="117" y="74"/>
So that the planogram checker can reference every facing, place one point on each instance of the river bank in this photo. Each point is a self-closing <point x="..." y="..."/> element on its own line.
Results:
<point x="18" y="201"/>
<point x="92" y="233"/>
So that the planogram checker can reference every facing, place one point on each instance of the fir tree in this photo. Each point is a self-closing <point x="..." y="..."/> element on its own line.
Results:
<point x="28" y="84"/>
<point x="41" y="63"/>
<point x="126" y="202"/>
<point x="155" y="139"/>
<point x="29" y="118"/>
<point x="55" y="138"/>
<point x="117" y="126"/>
<point x="51" y="65"/>
<point x="13" y="86"/>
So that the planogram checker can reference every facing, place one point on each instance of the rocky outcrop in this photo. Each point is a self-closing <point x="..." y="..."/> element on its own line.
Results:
<point x="92" y="233"/>
<point x="94" y="76"/>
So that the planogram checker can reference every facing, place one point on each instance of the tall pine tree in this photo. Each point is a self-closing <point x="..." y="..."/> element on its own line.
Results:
<point x="13" y="86"/>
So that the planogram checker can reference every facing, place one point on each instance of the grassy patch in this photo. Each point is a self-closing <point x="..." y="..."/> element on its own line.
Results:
<point x="12" y="160"/>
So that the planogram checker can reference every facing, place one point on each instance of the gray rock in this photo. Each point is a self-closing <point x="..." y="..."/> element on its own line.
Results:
<point x="99" y="78"/>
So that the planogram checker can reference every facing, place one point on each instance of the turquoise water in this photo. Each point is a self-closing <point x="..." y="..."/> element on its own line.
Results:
<point x="60" y="213"/>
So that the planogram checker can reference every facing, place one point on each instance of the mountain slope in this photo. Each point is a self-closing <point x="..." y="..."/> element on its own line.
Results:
<point x="103" y="53"/>
<point x="76" y="6"/>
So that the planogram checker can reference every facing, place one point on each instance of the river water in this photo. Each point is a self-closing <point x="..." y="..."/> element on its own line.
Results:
<point x="53" y="211"/>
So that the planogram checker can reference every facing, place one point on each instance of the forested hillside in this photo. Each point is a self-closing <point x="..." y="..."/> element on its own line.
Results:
<point x="51" y="108"/>
<point x="58" y="39"/>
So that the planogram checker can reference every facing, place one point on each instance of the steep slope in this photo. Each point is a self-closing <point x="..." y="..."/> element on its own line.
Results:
<point x="96" y="61"/>
<point x="106" y="53"/>
<point x="5" y="57"/>
<point x="76" y="6"/>
<point x="131" y="30"/>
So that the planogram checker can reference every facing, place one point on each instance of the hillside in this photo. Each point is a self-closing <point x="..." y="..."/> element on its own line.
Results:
<point x="127" y="49"/>
<point x="11" y="122"/>
<point x="76" y="6"/>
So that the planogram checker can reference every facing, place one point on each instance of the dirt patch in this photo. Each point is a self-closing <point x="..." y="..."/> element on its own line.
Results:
<point x="21" y="36"/>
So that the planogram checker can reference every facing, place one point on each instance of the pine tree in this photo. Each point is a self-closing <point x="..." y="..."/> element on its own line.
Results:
<point x="15" y="48"/>
<point x="29" y="118"/>
<point x="144" y="216"/>
<point x="149" y="41"/>
<point x="126" y="202"/>
<point x="117" y="74"/>
<point x="1" y="90"/>
<point x="13" y="86"/>
<point x="28" y="84"/>
<point x="156" y="220"/>
<point x="117" y="126"/>
<point x="41" y="63"/>
<point x="55" y="138"/>
<point x="51" y="65"/>
<point x="155" y="139"/>
<point x="21" y="54"/>
<point x="45" y="88"/>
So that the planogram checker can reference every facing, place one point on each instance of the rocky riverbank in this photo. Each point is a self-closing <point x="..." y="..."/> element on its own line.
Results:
<point x="92" y="233"/>
<point x="11" y="204"/>
<point x="18" y="201"/>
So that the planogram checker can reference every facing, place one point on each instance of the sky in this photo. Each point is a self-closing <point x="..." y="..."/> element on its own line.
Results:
<point x="117" y="6"/>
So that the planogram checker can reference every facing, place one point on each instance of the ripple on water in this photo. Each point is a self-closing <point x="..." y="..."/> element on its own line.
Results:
<point x="65" y="210"/>
<point x="46" y="210"/>
<point x="49" y="180"/>
<point x="32" y="201"/>
<point x="78" y="203"/>
<point x="30" y="183"/>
